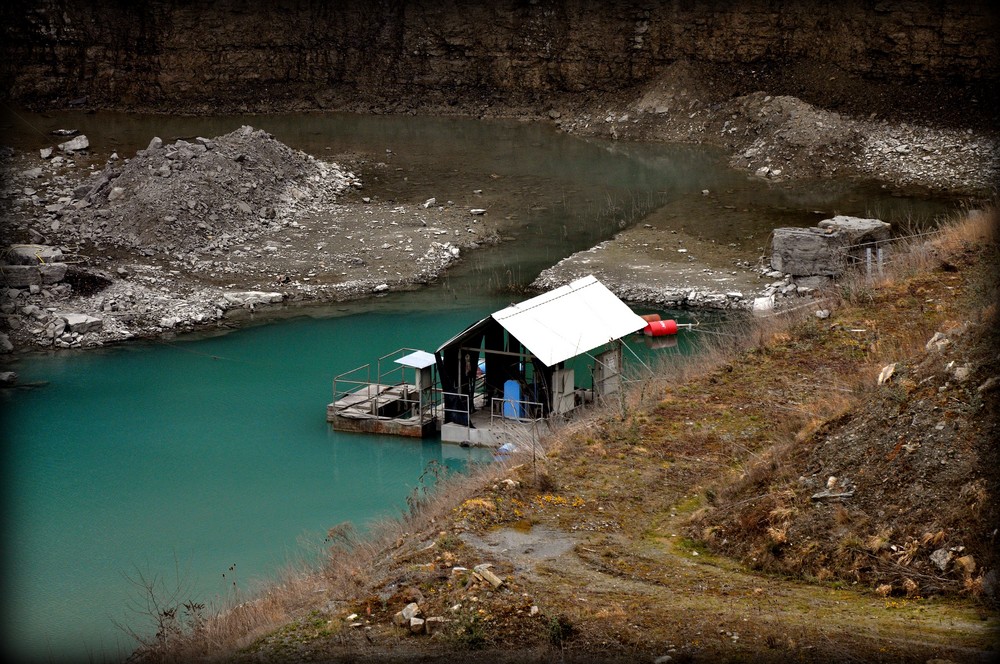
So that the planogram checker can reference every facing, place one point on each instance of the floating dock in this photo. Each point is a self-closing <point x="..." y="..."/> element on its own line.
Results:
<point x="498" y="381"/>
<point x="388" y="401"/>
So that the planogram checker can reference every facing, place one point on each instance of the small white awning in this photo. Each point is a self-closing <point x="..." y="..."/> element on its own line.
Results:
<point x="418" y="359"/>
<point x="569" y="321"/>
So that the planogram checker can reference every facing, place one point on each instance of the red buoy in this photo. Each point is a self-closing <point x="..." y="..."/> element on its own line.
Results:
<point x="649" y="318"/>
<point x="659" y="328"/>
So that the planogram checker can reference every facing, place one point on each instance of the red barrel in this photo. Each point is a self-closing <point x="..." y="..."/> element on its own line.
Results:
<point x="660" y="328"/>
<point x="649" y="318"/>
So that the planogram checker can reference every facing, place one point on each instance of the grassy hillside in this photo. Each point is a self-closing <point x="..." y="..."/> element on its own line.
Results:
<point x="769" y="499"/>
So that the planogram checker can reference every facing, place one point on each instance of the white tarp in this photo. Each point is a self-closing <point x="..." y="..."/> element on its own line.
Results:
<point x="570" y="320"/>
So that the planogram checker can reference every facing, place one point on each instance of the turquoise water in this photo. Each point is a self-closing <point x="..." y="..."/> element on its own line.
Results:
<point x="179" y="460"/>
<point x="205" y="463"/>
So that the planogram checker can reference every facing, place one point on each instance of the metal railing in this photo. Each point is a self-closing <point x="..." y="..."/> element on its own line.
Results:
<point x="390" y="387"/>
<point x="515" y="410"/>
<point x="454" y="414"/>
<point x="875" y="254"/>
<point x="510" y="410"/>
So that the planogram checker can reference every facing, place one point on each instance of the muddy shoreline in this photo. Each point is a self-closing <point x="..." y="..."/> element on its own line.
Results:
<point x="287" y="241"/>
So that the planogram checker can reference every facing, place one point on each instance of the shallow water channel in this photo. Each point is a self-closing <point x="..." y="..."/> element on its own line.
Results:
<point x="200" y="465"/>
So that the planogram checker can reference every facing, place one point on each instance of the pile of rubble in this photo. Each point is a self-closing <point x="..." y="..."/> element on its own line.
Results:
<point x="186" y="198"/>
<point x="780" y="137"/>
<point x="52" y="304"/>
<point x="184" y="233"/>
<point x="203" y="196"/>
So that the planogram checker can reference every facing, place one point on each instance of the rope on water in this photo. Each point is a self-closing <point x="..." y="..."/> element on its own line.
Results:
<point x="18" y="116"/>
<point x="179" y="347"/>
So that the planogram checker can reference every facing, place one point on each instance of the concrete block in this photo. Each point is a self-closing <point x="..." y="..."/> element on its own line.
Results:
<point x="809" y="251"/>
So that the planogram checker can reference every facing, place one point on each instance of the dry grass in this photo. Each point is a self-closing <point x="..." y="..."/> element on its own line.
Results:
<point x="356" y="563"/>
<point x="913" y="299"/>
<point x="921" y="253"/>
<point x="706" y="435"/>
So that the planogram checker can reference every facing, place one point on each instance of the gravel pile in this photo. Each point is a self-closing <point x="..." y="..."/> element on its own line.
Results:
<point x="207" y="194"/>
<point x="198" y="232"/>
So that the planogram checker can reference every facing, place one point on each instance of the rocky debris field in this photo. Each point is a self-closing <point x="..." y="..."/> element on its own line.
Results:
<point x="782" y="137"/>
<point x="633" y="266"/>
<point x="194" y="232"/>
<point x="899" y="492"/>
<point x="917" y="470"/>
<point x="202" y="232"/>
<point x="776" y="138"/>
<point x="205" y="196"/>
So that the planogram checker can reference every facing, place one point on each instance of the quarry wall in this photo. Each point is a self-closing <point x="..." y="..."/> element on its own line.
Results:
<point x="114" y="53"/>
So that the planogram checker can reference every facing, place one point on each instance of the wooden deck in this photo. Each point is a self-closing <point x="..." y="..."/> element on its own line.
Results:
<point x="384" y="409"/>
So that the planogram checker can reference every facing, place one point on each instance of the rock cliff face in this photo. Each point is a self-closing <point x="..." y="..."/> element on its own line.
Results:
<point x="249" y="55"/>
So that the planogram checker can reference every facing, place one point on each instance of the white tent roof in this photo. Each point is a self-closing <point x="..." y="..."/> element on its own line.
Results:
<point x="418" y="359"/>
<point x="570" y="320"/>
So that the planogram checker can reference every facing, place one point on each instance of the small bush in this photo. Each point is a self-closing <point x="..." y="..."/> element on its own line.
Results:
<point x="470" y="632"/>
<point x="560" y="630"/>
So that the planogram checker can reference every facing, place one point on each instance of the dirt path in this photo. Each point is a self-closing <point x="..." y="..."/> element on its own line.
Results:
<point x="663" y="597"/>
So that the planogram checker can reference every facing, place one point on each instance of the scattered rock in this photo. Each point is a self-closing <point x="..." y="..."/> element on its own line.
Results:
<point x="82" y="323"/>
<point x="941" y="558"/>
<point x="937" y="342"/>
<point x="22" y="276"/>
<point x="33" y="254"/>
<point x="434" y="624"/>
<point x="402" y="618"/>
<point x="988" y="384"/>
<point x="75" y="144"/>
<point x="483" y="570"/>
<point x="763" y="305"/>
<point x="251" y="298"/>
<point x="967" y="564"/>
<point x="961" y="373"/>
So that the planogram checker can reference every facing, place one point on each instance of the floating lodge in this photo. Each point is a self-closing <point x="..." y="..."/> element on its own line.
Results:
<point x="496" y="380"/>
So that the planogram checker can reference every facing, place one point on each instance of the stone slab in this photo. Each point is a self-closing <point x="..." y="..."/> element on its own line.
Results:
<point x="859" y="230"/>
<point x="22" y="276"/>
<point x="33" y="254"/>
<point x="82" y="323"/>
